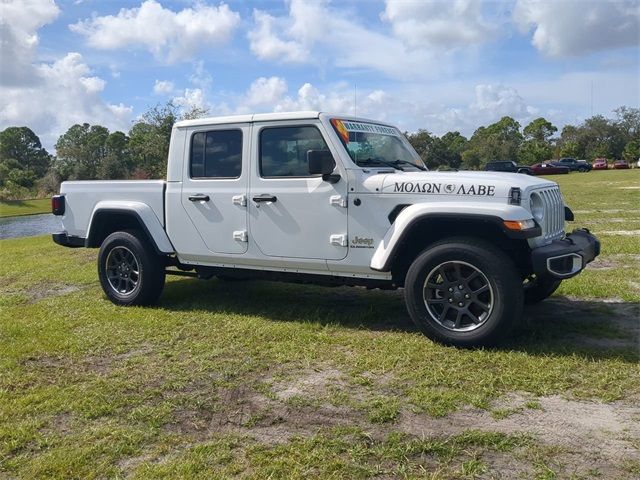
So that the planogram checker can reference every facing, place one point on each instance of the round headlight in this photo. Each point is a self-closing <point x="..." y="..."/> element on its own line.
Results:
<point x="537" y="207"/>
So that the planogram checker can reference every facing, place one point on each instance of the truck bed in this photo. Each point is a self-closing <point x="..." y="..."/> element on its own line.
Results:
<point x="81" y="198"/>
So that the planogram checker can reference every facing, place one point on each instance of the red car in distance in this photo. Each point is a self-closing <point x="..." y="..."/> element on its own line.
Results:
<point x="548" y="169"/>
<point x="620" y="164"/>
<point x="600" y="164"/>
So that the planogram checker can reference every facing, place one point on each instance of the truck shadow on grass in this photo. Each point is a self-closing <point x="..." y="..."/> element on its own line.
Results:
<point x="595" y="329"/>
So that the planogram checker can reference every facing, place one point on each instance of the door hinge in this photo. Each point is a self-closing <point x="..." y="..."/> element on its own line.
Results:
<point x="240" y="200"/>
<point x="338" y="200"/>
<point x="338" y="239"/>
<point x="240" y="235"/>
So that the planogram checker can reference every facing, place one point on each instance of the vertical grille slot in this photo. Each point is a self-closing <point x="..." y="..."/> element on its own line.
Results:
<point x="553" y="223"/>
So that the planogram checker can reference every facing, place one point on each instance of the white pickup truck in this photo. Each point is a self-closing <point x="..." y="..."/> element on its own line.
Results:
<point x="328" y="199"/>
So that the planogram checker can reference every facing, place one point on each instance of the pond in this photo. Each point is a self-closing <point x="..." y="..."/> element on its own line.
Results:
<point x="29" y="225"/>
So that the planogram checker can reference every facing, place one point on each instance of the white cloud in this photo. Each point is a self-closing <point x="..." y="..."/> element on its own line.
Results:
<point x="486" y="104"/>
<point x="76" y="100"/>
<point x="163" y="87"/>
<point x="168" y="35"/>
<point x="266" y="91"/>
<point x="47" y="97"/>
<point x="489" y="103"/>
<point x="190" y="99"/>
<point x="318" y="34"/>
<point x="577" y="27"/>
<point x="272" y="95"/>
<point x="266" y="45"/>
<point x="201" y="77"/>
<point x="19" y="23"/>
<point x="434" y="23"/>
<point x="496" y="101"/>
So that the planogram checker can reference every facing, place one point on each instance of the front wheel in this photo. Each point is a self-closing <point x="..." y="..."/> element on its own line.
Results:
<point x="129" y="270"/>
<point x="464" y="292"/>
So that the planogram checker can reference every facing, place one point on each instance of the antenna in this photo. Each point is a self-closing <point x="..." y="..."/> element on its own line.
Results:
<point x="591" y="98"/>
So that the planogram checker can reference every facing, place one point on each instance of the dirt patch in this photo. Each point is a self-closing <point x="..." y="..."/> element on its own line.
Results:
<point x="616" y="260"/>
<point x="615" y="210"/>
<point x="101" y="364"/>
<point x="310" y="384"/>
<point x="587" y="435"/>
<point x="41" y="291"/>
<point x="624" y="233"/>
<point x="272" y="410"/>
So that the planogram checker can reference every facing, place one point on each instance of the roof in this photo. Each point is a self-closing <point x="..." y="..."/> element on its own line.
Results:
<point x="247" y="118"/>
<point x="267" y="117"/>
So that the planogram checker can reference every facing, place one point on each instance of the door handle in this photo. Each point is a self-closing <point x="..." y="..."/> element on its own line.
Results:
<point x="199" y="197"/>
<point x="265" y="197"/>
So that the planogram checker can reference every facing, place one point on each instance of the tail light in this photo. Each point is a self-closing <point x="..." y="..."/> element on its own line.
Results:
<point x="57" y="204"/>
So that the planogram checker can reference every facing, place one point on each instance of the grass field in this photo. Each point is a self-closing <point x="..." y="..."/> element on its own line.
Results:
<point x="12" y="208"/>
<point x="265" y="380"/>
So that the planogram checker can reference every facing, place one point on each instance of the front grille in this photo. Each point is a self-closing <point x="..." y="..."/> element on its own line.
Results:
<point x="553" y="221"/>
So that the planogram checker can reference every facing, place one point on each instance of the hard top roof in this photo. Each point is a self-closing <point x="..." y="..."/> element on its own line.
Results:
<point x="266" y="117"/>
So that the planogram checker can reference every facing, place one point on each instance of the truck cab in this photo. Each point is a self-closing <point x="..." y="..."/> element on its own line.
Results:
<point x="333" y="200"/>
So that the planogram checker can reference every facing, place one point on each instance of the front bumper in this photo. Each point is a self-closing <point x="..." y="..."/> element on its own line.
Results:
<point x="567" y="257"/>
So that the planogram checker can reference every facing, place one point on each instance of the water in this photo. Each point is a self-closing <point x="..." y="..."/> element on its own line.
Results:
<point x="29" y="225"/>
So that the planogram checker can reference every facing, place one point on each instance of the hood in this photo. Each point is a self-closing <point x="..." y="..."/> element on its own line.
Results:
<point x="452" y="184"/>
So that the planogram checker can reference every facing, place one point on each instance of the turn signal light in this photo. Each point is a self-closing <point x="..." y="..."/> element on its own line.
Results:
<point x="519" y="224"/>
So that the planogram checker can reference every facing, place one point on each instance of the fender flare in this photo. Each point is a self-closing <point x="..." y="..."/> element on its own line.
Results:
<point x="141" y="212"/>
<point x="494" y="214"/>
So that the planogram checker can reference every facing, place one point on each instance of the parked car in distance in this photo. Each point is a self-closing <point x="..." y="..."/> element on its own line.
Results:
<point x="548" y="169"/>
<point x="600" y="164"/>
<point x="573" y="164"/>
<point x="621" y="164"/>
<point x="507" y="166"/>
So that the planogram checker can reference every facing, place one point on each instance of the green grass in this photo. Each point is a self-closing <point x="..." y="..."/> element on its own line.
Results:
<point x="12" y="208"/>
<point x="267" y="380"/>
<point x="608" y="204"/>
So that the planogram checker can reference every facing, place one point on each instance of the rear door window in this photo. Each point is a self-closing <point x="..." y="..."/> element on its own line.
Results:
<point x="216" y="154"/>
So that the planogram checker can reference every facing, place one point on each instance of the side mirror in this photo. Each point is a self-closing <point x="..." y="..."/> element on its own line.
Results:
<point x="321" y="162"/>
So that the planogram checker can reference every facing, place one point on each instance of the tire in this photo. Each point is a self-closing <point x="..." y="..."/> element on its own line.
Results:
<point x="120" y="254"/>
<point x="537" y="289"/>
<point x="482" y="267"/>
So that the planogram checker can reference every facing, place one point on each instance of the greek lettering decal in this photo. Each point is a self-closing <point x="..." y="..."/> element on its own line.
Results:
<point x="447" y="189"/>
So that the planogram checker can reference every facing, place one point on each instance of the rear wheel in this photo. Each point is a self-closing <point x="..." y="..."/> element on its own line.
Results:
<point x="537" y="289"/>
<point x="463" y="292"/>
<point x="130" y="272"/>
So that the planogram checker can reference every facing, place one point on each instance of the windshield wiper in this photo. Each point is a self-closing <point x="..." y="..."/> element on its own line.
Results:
<point x="419" y="167"/>
<point x="372" y="161"/>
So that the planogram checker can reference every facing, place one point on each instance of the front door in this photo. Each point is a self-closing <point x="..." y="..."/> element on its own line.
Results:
<point x="214" y="189"/>
<point x="294" y="214"/>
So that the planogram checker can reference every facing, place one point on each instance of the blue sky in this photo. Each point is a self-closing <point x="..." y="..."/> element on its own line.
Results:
<point x="437" y="65"/>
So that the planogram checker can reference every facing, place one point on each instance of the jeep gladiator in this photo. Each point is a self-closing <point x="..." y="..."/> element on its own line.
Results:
<point x="333" y="200"/>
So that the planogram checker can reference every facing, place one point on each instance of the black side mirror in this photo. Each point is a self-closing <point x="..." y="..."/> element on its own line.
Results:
<point x="321" y="162"/>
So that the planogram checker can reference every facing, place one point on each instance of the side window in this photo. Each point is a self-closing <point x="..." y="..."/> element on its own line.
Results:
<point x="283" y="150"/>
<point x="216" y="154"/>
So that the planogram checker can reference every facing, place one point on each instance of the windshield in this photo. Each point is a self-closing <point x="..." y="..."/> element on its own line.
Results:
<point x="370" y="144"/>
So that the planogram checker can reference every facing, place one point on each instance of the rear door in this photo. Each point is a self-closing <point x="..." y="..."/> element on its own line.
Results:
<point x="292" y="213"/>
<point x="214" y="190"/>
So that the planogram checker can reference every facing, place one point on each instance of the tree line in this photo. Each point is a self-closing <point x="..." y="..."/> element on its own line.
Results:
<point x="90" y="152"/>
<point x="596" y="137"/>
